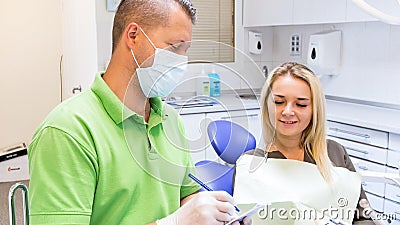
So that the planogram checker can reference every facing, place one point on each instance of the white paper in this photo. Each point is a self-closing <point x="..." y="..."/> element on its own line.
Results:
<point x="249" y="213"/>
<point x="284" y="180"/>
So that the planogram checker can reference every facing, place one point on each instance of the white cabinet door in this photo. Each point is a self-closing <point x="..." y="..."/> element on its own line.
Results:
<point x="249" y="119"/>
<point x="196" y="130"/>
<point x="288" y="12"/>
<point x="394" y="141"/>
<point x="392" y="191"/>
<point x="79" y="64"/>
<point x="393" y="209"/>
<point x="319" y="11"/>
<point x="196" y="136"/>
<point x="267" y="12"/>
<point x="394" y="151"/>
<point x="376" y="202"/>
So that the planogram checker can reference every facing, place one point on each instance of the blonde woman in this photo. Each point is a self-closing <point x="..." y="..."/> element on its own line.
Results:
<point x="293" y="118"/>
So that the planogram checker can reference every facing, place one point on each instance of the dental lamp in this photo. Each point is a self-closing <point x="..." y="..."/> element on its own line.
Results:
<point x="394" y="20"/>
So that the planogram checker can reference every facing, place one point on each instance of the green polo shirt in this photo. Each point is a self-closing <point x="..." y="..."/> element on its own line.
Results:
<point x="93" y="161"/>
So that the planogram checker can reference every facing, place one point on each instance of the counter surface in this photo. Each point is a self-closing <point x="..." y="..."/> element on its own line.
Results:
<point x="224" y="103"/>
<point x="372" y="117"/>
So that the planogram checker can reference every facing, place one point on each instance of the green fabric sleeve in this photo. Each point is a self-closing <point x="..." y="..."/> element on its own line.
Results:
<point x="64" y="186"/>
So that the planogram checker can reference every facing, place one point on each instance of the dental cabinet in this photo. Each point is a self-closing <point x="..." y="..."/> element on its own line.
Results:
<point x="196" y="129"/>
<point x="196" y="119"/>
<point x="371" y="137"/>
<point x="294" y="12"/>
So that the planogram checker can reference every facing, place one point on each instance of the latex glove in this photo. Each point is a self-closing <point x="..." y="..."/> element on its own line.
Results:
<point x="206" y="208"/>
<point x="246" y="221"/>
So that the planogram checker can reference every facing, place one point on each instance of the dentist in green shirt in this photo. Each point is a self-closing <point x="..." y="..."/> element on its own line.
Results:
<point x="116" y="154"/>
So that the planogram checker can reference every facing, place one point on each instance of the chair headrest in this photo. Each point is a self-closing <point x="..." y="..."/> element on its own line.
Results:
<point x="230" y="140"/>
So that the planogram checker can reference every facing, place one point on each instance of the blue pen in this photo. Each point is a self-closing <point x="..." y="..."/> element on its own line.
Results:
<point x="205" y="186"/>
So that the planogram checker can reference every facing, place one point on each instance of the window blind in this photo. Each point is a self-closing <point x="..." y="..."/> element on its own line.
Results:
<point x="213" y="34"/>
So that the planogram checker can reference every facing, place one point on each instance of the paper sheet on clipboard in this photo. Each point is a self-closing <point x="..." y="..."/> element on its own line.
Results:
<point x="249" y="213"/>
<point x="283" y="180"/>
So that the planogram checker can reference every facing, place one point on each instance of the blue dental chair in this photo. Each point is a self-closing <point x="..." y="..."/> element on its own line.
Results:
<point x="229" y="141"/>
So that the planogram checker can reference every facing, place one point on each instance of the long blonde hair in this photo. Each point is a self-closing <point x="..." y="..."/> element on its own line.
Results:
<point x="313" y="138"/>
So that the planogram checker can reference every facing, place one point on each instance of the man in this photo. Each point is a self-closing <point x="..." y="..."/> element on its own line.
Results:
<point x="114" y="154"/>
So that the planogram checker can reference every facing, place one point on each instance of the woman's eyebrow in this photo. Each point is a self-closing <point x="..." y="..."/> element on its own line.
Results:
<point x="300" y="98"/>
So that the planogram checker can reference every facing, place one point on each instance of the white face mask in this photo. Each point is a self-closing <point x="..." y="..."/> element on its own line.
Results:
<point x="164" y="75"/>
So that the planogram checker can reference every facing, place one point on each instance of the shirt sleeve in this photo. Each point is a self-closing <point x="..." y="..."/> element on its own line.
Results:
<point x="189" y="186"/>
<point x="62" y="179"/>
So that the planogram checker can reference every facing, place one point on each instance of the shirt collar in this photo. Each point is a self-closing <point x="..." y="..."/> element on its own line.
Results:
<point x="116" y="109"/>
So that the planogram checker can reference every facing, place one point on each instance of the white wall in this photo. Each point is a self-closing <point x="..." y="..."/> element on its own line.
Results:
<point x="369" y="64"/>
<point x="34" y="37"/>
<point x="30" y="51"/>
<point x="242" y="74"/>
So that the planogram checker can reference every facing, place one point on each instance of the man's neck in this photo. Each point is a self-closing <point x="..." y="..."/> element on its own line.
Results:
<point x="127" y="89"/>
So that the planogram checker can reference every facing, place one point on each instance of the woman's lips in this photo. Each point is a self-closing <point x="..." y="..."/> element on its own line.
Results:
<point x="287" y="123"/>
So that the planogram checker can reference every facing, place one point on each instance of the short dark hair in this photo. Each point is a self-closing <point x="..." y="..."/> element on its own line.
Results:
<point x="147" y="13"/>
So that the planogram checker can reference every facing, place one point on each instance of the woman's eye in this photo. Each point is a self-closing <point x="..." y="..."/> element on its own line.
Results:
<point x="301" y="105"/>
<point x="278" y="102"/>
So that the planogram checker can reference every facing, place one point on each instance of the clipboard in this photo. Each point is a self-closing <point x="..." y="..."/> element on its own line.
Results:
<point x="248" y="213"/>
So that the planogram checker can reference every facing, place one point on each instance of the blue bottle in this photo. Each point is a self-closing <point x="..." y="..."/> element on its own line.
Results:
<point x="215" y="84"/>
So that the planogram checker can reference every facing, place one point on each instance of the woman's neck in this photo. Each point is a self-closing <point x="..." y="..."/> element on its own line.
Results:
<point x="290" y="148"/>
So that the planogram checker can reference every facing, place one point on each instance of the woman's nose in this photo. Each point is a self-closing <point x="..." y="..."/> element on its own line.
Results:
<point x="288" y="110"/>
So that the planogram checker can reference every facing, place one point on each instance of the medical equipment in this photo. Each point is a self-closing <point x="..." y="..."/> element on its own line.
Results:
<point x="230" y="141"/>
<point x="11" y="202"/>
<point x="377" y="13"/>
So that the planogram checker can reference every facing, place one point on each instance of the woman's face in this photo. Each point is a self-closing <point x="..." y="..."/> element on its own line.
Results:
<point x="291" y="108"/>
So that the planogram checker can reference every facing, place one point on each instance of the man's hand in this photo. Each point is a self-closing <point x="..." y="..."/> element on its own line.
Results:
<point x="246" y="221"/>
<point x="210" y="207"/>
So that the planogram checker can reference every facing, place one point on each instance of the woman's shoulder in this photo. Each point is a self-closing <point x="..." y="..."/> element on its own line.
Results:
<point x="337" y="153"/>
<point x="256" y="152"/>
<point x="333" y="145"/>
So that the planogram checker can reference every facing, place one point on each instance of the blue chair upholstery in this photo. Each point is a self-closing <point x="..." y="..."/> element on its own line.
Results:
<point x="229" y="141"/>
<point x="216" y="175"/>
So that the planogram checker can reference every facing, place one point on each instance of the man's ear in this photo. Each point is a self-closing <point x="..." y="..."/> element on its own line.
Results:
<point x="130" y="34"/>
